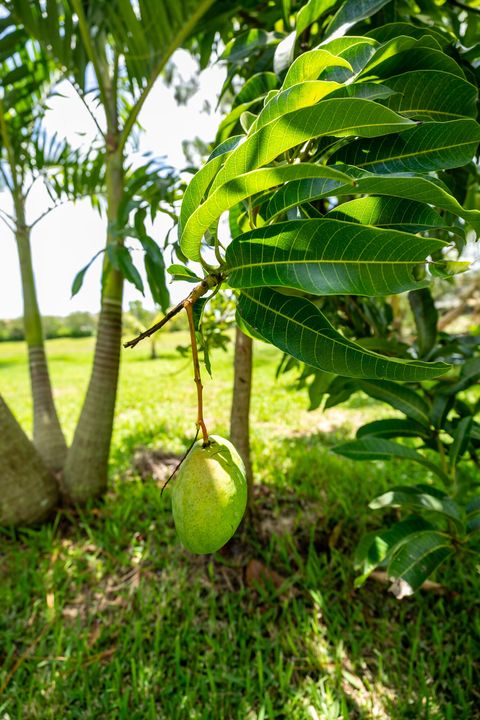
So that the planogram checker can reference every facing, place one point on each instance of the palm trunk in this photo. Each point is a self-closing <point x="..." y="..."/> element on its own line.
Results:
<point x="86" y="469"/>
<point x="242" y="389"/>
<point x="28" y="491"/>
<point x="47" y="432"/>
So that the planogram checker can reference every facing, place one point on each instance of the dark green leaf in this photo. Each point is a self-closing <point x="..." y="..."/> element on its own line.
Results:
<point x="297" y="327"/>
<point x="328" y="257"/>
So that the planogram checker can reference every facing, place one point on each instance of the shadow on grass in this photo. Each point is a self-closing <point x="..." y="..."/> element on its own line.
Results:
<point x="104" y="615"/>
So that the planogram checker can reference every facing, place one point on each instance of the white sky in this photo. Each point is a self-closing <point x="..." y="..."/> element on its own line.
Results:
<point x="64" y="241"/>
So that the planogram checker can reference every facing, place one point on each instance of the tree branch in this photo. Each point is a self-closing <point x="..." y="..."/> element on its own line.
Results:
<point x="197" y="292"/>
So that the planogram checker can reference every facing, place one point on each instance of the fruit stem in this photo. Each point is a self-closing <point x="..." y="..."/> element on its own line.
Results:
<point x="196" y="371"/>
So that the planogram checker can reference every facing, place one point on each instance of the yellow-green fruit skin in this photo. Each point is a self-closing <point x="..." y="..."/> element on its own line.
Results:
<point x="209" y="495"/>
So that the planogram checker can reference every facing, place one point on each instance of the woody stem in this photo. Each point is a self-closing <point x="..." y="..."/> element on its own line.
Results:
<point x="196" y="371"/>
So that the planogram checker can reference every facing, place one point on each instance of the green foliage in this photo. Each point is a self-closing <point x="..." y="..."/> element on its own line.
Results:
<point x="337" y="176"/>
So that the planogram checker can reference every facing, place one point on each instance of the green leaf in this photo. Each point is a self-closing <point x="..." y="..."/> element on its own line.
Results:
<point x="417" y="558"/>
<point x="430" y="146"/>
<point x="421" y="189"/>
<point x="309" y="66"/>
<point x="461" y="438"/>
<point x="200" y="182"/>
<point x="351" y="12"/>
<point x="392" y="428"/>
<point x="375" y="548"/>
<point x="80" y="276"/>
<point x="296" y="326"/>
<point x="389" y="212"/>
<point x="327" y="257"/>
<point x="298" y="96"/>
<point x="377" y="448"/>
<point x="426" y="317"/>
<point x="405" y="54"/>
<point x="181" y="272"/>
<point x="419" y="497"/>
<point x="343" y="117"/>
<point x="311" y="12"/>
<point x="399" y="397"/>
<point x="432" y="95"/>
<point x="232" y="192"/>
<point x="120" y="258"/>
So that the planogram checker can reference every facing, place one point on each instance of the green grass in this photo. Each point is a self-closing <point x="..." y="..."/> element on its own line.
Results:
<point x="104" y="615"/>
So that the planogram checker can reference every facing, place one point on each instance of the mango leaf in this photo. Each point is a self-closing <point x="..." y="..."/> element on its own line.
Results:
<point x="296" y="326"/>
<point x="255" y="87"/>
<point x="425" y="315"/>
<point x="432" y="95"/>
<point x="418" y="557"/>
<point x="377" y="448"/>
<point x="311" y="12"/>
<point x="294" y="98"/>
<point x="417" y="188"/>
<point x="395" y="29"/>
<point x="243" y="186"/>
<point x="327" y="257"/>
<point x="392" y="428"/>
<point x="461" y="438"/>
<point x="198" y="185"/>
<point x="351" y="12"/>
<point x="419" y="497"/>
<point x="404" y="215"/>
<point x="399" y="397"/>
<point x="309" y="66"/>
<point x="375" y="548"/>
<point x="405" y="54"/>
<point x="181" y="272"/>
<point x="430" y="146"/>
<point x="343" y="117"/>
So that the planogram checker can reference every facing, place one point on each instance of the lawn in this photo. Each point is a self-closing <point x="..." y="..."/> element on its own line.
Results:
<point x="104" y="615"/>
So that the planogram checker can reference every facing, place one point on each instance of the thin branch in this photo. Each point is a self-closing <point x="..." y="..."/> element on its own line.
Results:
<point x="196" y="372"/>
<point x="5" y="178"/>
<point x="197" y="292"/>
<point x="89" y="109"/>
<point x="10" y="227"/>
<point x="48" y="211"/>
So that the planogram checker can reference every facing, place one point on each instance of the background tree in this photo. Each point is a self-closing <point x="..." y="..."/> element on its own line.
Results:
<point x="124" y="52"/>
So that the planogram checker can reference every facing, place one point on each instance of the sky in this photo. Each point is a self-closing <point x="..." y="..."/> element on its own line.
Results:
<point x="66" y="239"/>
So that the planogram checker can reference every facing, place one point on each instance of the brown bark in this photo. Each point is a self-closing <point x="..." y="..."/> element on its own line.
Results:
<point x="28" y="491"/>
<point x="240" y="413"/>
<point x="86" y="469"/>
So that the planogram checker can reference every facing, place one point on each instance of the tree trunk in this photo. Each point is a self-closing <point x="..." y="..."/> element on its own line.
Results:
<point x="28" y="491"/>
<point x="47" y="433"/>
<point x="86" y="469"/>
<point x="242" y="388"/>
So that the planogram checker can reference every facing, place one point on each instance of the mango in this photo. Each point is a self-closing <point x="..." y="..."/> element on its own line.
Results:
<point x="209" y="495"/>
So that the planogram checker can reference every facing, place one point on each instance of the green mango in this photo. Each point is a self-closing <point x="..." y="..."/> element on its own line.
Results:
<point x="209" y="495"/>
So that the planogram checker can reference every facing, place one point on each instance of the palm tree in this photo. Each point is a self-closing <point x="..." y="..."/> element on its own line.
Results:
<point x="114" y="51"/>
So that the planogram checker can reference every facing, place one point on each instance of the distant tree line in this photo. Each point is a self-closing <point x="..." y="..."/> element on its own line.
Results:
<point x="77" y="324"/>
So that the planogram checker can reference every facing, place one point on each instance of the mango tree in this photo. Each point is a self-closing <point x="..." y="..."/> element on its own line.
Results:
<point x="337" y="175"/>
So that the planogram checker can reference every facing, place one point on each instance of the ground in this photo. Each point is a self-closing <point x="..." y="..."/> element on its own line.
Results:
<point x="104" y="615"/>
